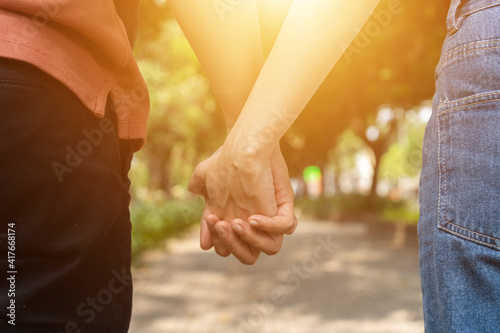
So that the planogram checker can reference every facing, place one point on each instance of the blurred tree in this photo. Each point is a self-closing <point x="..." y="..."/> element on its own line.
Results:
<point x="184" y="126"/>
<point x="403" y="158"/>
<point x="343" y="156"/>
<point x="391" y="62"/>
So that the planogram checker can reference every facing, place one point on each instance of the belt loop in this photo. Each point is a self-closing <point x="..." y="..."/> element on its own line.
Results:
<point x="451" y="20"/>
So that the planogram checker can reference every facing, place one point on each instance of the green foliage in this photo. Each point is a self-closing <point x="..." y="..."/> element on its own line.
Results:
<point x="342" y="204"/>
<point x="403" y="159"/>
<point x="185" y="125"/>
<point x="392" y="65"/>
<point x="155" y="221"/>
<point x="344" y="153"/>
<point x="402" y="211"/>
<point x="353" y="207"/>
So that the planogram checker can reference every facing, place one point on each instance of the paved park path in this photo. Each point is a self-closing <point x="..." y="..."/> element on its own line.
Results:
<point x="328" y="277"/>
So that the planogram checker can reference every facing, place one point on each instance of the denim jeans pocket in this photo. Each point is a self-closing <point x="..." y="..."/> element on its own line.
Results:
<point x="469" y="168"/>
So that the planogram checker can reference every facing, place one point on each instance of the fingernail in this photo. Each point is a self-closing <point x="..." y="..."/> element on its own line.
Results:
<point x="238" y="229"/>
<point x="254" y="223"/>
<point x="221" y="231"/>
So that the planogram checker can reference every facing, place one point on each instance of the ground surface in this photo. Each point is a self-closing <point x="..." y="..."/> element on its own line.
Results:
<point x="327" y="278"/>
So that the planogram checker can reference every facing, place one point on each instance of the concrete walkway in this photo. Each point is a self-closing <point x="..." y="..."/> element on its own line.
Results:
<point x="327" y="278"/>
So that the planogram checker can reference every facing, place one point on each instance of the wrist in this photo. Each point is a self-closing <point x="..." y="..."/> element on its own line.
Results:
<point x="244" y="150"/>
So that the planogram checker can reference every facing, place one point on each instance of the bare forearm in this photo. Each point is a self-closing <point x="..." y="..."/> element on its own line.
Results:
<point x="227" y="43"/>
<point x="305" y="51"/>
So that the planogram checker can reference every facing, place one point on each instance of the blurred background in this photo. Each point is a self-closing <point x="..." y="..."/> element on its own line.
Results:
<point x="354" y="157"/>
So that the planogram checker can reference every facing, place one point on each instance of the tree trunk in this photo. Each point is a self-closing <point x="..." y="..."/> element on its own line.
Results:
<point x="159" y="171"/>
<point x="376" y="169"/>
<point x="379" y="147"/>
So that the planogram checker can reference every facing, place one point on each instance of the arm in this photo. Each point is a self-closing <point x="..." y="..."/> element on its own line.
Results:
<point x="307" y="48"/>
<point x="272" y="14"/>
<point x="227" y="43"/>
<point x="229" y="49"/>
<point x="305" y="51"/>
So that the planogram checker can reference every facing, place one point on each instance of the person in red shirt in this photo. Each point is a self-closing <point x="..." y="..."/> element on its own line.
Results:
<point x="74" y="108"/>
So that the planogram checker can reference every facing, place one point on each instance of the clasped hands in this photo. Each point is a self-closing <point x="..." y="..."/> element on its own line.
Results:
<point x="249" y="203"/>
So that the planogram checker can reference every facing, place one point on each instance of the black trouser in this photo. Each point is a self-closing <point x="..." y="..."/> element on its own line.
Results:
<point x="64" y="219"/>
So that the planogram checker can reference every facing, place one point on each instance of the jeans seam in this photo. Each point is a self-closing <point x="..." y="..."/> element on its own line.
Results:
<point x="445" y="178"/>
<point x="448" y="56"/>
<point x="451" y="21"/>
<point x="454" y="23"/>
<point x="474" y="232"/>
<point x="470" y="51"/>
<point x="462" y="18"/>
<point x="441" y="166"/>
<point x="440" y="113"/>
<point x="469" y="238"/>
<point x="477" y="103"/>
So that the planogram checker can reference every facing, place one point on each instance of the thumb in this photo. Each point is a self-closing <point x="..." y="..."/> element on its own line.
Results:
<point x="196" y="184"/>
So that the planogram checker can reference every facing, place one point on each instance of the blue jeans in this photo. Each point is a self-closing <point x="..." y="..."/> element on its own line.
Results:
<point x="64" y="220"/>
<point x="459" y="226"/>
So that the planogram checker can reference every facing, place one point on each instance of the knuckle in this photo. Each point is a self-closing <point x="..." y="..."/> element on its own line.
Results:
<point x="291" y="227"/>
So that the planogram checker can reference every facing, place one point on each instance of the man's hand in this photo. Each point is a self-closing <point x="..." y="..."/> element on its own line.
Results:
<point x="245" y="238"/>
<point x="236" y="185"/>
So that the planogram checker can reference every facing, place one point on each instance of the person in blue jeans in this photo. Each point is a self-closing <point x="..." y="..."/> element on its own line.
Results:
<point x="459" y="226"/>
